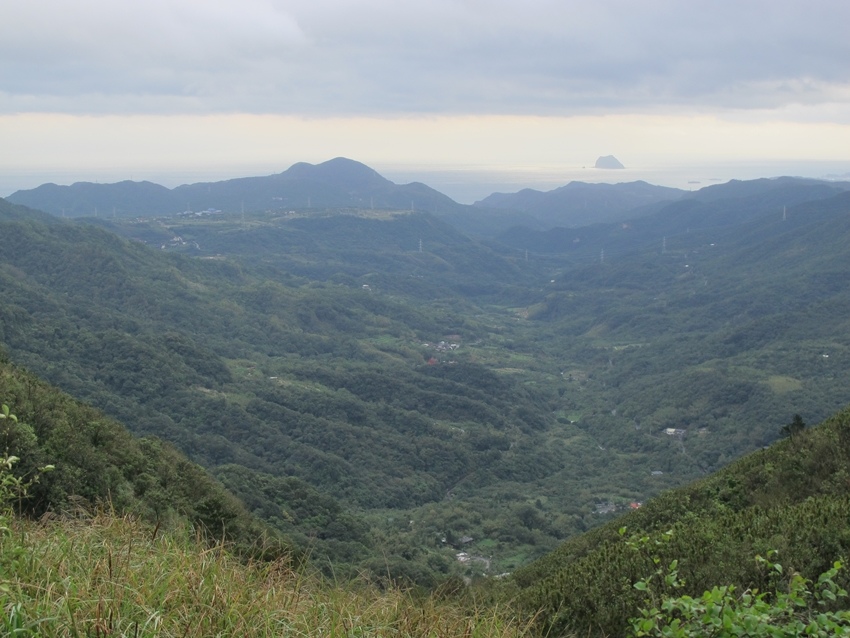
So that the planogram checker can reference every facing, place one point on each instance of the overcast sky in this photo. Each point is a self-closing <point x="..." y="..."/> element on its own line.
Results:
<point x="200" y="84"/>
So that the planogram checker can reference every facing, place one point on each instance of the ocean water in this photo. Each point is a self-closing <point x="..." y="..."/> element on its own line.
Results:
<point x="464" y="184"/>
<point x="470" y="184"/>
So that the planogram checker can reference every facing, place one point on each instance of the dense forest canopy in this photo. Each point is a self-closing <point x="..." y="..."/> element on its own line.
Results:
<point x="403" y="398"/>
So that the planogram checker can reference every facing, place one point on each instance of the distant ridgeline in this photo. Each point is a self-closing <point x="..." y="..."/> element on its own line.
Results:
<point x="640" y="215"/>
<point x="346" y="184"/>
<point x="578" y="204"/>
<point x="338" y="183"/>
<point x="414" y="402"/>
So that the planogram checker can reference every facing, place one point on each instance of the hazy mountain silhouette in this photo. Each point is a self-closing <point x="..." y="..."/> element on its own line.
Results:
<point x="580" y="203"/>
<point x="722" y="206"/>
<point x="338" y="183"/>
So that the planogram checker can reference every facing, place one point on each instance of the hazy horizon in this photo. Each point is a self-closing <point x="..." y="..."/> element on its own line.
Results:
<point x="191" y="89"/>
<point x="464" y="184"/>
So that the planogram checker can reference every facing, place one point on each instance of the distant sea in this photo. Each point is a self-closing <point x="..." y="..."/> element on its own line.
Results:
<point x="464" y="184"/>
<point x="470" y="184"/>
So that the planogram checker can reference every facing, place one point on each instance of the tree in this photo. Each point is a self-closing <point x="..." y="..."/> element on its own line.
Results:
<point x="796" y="426"/>
<point x="801" y="608"/>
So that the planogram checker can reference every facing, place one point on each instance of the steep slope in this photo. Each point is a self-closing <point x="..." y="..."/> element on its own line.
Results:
<point x="792" y="498"/>
<point x="98" y="463"/>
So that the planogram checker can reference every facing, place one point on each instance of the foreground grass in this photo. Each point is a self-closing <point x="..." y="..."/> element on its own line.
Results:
<point x="109" y="576"/>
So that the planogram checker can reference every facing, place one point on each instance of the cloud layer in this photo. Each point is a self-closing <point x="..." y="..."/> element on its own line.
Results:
<point x="397" y="57"/>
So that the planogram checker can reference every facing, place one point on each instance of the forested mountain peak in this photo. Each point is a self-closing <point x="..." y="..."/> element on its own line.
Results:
<point x="337" y="183"/>
<point x="638" y="205"/>
<point x="341" y="171"/>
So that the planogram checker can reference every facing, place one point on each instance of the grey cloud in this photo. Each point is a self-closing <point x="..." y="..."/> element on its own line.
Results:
<point x="394" y="57"/>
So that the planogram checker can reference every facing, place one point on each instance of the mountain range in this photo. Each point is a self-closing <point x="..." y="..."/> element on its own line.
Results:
<point x="343" y="183"/>
<point x="337" y="183"/>
<point x="582" y="204"/>
<point x="390" y="392"/>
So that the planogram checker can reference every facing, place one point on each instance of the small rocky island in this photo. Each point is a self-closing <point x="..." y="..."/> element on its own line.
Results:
<point x="608" y="161"/>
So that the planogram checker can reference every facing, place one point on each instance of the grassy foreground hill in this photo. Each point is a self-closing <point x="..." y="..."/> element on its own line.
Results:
<point x="133" y="540"/>
<point x="107" y="576"/>
<point x="99" y="464"/>
<point x="77" y="573"/>
<point x="793" y="497"/>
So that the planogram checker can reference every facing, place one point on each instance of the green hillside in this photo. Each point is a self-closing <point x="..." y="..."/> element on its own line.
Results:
<point x="391" y="251"/>
<point x="710" y="210"/>
<point x="120" y="536"/>
<point x="792" y="497"/>
<point x="84" y="570"/>
<point x="107" y="576"/>
<point x="449" y="407"/>
<point x="99" y="464"/>
<point x="337" y="183"/>
<point x="272" y="383"/>
<point x="581" y="204"/>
